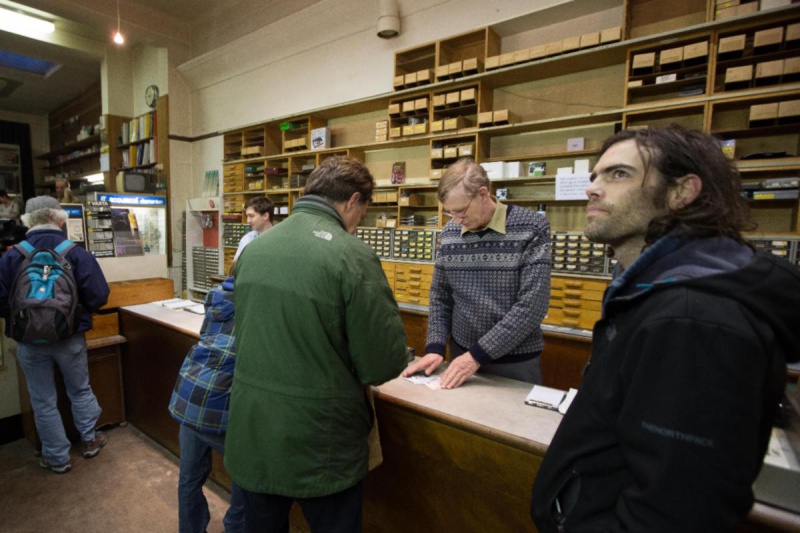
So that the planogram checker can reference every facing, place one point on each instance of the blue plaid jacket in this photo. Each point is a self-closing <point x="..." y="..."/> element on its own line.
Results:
<point x="202" y="392"/>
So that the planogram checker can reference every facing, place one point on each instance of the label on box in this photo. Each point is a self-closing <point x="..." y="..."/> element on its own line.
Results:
<point x="574" y="144"/>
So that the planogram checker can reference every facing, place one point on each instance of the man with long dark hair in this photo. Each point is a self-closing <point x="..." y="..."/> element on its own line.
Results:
<point x="672" y="420"/>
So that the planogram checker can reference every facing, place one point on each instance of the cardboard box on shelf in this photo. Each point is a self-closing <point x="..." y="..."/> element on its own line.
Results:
<point x="504" y="116"/>
<point x="590" y="39"/>
<point x="442" y="72"/>
<point x="791" y="66"/>
<point x="739" y="74"/>
<point x="437" y="125"/>
<point x="695" y="52"/>
<point x="521" y="56"/>
<point x="485" y="118"/>
<point x="438" y="101"/>
<point x="411" y="79"/>
<point x="450" y="152"/>
<point x="408" y="107"/>
<point x="381" y="137"/>
<point x="506" y="59"/>
<point x="789" y="109"/>
<point x="437" y="153"/>
<point x="468" y="96"/>
<point x="610" y="35"/>
<point x="453" y="98"/>
<point x="671" y="56"/>
<point x="761" y="112"/>
<point x="453" y="123"/>
<point x="644" y="62"/>
<point x="768" y="37"/>
<point x="793" y="32"/>
<point x="492" y="62"/>
<point x="732" y="45"/>
<point x="635" y="83"/>
<point x="381" y="124"/>
<point x="471" y="65"/>
<point x="412" y="200"/>
<point x="321" y="138"/>
<point x="436" y="173"/>
<point x="772" y="4"/>
<point x="420" y="104"/>
<point x="551" y="49"/>
<point x="420" y="128"/>
<point x="395" y="132"/>
<point x="408" y="130"/>
<point x="769" y="69"/>
<point x="424" y="76"/>
<point x="399" y="82"/>
<point x="454" y="68"/>
<point x="571" y="43"/>
<point x="513" y="169"/>
<point x="537" y="52"/>
<point x="494" y="169"/>
<point x="466" y="150"/>
<point x="394" y="110"/>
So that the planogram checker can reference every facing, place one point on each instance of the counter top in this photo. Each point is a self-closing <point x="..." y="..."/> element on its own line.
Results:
<point x="484" y="403"/>
<point x="183" y="321"/>
<point x="488" y="404"/>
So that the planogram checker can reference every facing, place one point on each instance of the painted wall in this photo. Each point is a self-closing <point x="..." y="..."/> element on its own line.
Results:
<point x="324" y="55"/>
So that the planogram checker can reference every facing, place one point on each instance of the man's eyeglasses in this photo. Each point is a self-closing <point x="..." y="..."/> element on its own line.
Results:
<point x="461" y="213"/>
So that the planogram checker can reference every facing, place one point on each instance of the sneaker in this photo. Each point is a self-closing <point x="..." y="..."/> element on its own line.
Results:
<point x="92" y="447"/>
<point x="58" y="469"/>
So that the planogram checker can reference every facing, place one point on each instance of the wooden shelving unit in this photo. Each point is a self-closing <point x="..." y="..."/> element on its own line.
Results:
<point x="583" y="86"/>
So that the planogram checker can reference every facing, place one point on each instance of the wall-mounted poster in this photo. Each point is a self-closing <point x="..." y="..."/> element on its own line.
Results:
<point x="127" y="240"/>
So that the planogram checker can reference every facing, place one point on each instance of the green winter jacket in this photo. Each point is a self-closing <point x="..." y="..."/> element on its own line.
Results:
<point x="315" y="322"/>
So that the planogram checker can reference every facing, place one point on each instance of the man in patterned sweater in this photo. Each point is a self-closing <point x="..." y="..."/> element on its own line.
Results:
<point x="491" y="284"/>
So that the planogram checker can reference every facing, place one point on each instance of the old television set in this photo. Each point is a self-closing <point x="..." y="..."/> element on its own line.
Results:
<point x="136" y="182"/>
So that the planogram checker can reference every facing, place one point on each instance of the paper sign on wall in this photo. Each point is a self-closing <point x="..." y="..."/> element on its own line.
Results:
<point x="572" y="186"/>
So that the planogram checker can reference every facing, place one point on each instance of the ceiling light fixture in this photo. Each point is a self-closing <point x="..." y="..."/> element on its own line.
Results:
<point x="388" y="19"/>
<point x="22" y="24"/>
<point x="118" y="38"/>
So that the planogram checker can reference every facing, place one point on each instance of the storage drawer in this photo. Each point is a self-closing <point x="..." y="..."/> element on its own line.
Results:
<point x="571" y="318"/>
<point x="413" y="269"/>
<point x="578" y="283"/>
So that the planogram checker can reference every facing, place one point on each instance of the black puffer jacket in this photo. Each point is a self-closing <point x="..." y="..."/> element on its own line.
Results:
<point x="670" y="426"/>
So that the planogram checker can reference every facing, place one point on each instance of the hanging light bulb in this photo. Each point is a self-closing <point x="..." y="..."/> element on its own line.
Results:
<point x="118" y="38"/>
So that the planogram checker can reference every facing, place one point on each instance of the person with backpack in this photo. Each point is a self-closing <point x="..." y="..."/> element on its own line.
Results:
<point x="48" y="290"/>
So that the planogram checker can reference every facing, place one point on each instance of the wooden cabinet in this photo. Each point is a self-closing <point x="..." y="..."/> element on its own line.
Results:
<point x="74" y="137"/>
<point x="575" y="302"/>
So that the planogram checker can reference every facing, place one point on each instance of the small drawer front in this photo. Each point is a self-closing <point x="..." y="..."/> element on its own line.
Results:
<point x="414" y="269"/>
<point x="578" y="284"/>
<point x="571" y="318"/>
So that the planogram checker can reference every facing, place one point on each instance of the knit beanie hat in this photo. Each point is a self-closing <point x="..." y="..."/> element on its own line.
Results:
<point x="41" y="202"/>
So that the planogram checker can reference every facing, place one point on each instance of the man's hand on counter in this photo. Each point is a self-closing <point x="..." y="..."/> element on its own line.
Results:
<point x="461" y="368"/>
<point x="427" y="364"/>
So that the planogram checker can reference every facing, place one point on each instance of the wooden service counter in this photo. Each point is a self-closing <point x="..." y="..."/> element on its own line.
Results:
<point x="457" y="460"/>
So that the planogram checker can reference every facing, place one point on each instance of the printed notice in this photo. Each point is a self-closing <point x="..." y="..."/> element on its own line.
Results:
<point x="572" y="186"/>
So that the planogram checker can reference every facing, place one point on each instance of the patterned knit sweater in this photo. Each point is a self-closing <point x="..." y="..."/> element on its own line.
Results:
<point x="491" y="291"/>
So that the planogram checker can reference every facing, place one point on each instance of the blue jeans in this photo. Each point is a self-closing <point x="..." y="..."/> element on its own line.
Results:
<point x="38" y="362"/>
<point x="195" y="464"/>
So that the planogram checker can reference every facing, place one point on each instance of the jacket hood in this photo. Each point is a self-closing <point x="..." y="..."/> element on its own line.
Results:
<point x="219" y="302"/>
<point x="766" y="285"/>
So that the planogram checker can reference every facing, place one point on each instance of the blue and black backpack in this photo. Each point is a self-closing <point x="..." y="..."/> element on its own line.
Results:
<point x="43" y="302"/>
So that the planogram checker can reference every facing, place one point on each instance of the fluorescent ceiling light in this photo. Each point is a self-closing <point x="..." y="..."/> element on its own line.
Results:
<point x="95" y="178"/>
<point x="22" y="24"/>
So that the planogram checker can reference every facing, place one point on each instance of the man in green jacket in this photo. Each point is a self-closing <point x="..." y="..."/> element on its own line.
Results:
<point x="315" y="322"/>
